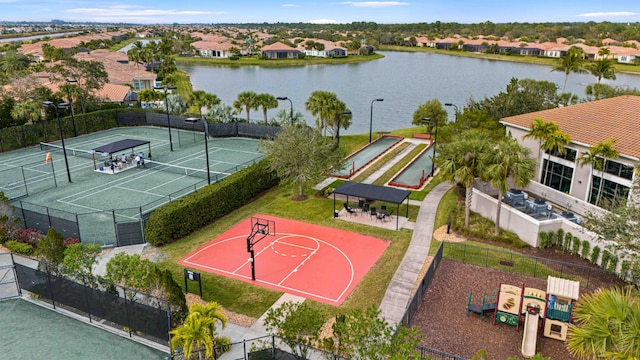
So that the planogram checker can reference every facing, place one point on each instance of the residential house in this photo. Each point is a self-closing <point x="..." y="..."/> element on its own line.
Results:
<point x="213" y="49"/>
<point x="279" y="50"/>
<point x="330" y="49"/>
<point x="120" y="70"/>
<point x="587" y="124"/>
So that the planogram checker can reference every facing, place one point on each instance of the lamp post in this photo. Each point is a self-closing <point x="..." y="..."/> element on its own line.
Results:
<point x="455" y="108"/>
<point x="433" y="164"/>
<point x="371" y="117"/>
<point x="206" y="143"/>
<point x="73" y="118"/>
<point x="64" y="149"/>
<point x="282" y="98"/>
<point x="338" y="132"/>
<point x="166" y="103"/>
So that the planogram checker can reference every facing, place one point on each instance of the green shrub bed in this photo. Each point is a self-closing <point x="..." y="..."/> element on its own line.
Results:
<point x="180" y="218"/>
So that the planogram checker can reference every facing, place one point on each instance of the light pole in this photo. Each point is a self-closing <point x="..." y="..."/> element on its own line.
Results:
<point x="455" y="108"/>
<point x="73" y="119"/>
<point x="433" y="164"/>
<point x="371" y="117"/>
<point x="166" y="103"/>
<point x="282" y="98"/>
<point x="206" y="144"/>
<point x="339" y="116"/>
<point x="64" y="149"/>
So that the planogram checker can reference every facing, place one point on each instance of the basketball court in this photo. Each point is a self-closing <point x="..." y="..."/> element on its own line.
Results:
<point x="312" y="261"/>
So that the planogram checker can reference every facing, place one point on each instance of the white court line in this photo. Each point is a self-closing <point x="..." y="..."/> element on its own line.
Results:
<point x="313" y="252"/>
<point x="234" y="273"/>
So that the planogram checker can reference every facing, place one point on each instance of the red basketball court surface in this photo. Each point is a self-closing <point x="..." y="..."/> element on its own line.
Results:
<point x="312" y="261"/>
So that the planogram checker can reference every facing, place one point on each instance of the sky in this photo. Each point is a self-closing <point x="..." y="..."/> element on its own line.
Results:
<point x="327" y="11"/>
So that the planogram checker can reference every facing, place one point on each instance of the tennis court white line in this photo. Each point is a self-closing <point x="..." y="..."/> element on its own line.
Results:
<point x="139" y="191"/>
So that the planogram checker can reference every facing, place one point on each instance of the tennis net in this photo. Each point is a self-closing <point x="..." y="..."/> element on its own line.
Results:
<point x="176" y="169"/>
<point x="70" y="151"/>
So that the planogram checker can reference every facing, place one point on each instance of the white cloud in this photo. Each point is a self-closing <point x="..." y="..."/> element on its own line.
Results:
<point x="290" y="5"/>
<point x="323" y="21"/>
<point x="608" y="14"/>
<point x="373" y="4"/>
<point x="128" y="11"/>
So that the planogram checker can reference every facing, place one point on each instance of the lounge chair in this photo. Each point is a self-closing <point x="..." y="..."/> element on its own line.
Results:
<point x="350" y="211"/>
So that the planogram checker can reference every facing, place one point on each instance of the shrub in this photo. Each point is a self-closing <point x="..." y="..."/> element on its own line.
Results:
<point x="604" y="262"/>
<point x="543" y="240"/>
<point x="234" y="57"/>
<point x="613" y="263"/>
<point x="19" y="247"/>
<point x="551" y="235"/>
<point x="180" y="218"/>
<point x="586" y="246"/>
<point x="560" y="237"/>
<point x="70" y="241"/>
<point x="595" y="253"/>
<point x="576" y="245"/>
<point x="568" y="237"/>
<point x="624" y="269"/>
<point x="27" y="236"/>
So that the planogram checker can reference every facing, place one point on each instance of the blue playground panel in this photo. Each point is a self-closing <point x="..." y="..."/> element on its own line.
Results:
<point x="366" y="155"/>
<point x="417" y="171"/>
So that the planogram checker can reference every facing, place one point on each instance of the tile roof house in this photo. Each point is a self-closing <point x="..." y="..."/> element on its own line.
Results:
<point x="331" y="49"/>
<point x="279" y="50"/>
<point x="587" y="124"/>
<point x="213" y="49"/>
<point x="121" y="71"/>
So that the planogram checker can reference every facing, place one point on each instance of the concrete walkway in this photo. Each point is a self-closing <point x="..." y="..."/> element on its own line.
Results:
<point x="398" y="294"/>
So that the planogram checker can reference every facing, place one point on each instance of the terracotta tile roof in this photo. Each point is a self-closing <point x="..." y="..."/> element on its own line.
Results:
<point x="117" y="65"/>
<point x="592" y="122"/>
<point x="277" y="46"/>
<point x="113" y="92"/>
<point x="212" y="45"/>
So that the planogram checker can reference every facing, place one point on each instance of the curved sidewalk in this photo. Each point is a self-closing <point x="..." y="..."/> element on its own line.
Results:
<point x="399" y="292"/>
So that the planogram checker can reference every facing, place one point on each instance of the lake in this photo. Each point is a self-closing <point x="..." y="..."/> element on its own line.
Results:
<point x="403" y="79"/>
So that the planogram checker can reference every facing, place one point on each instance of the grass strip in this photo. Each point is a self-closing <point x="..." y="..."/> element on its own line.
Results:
<point x="395" y="169"/>
<point x="257" y="61"/>
<point x="380" y="163"/>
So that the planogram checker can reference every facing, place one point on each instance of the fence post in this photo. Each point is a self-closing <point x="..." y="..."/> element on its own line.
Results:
<point x="126" y="309"/>
<point x="244" y="348"/>
<point x="486" y="259"/>
<point x="24" y="218"/>
<point x="24" y="180"/>
<point x="535" y="267"/>
<point x="53" y="301"/>
<point x="115" y="226"/>
<point x="86" y="297"/>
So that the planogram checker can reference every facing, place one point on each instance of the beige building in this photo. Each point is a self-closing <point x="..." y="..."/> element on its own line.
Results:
<point x="587" y="124"/>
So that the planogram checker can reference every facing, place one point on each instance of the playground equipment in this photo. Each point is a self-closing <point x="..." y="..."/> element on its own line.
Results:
<point x="562" y="295"/>
<point x="509" y="305"/>
<point x="534" y="306"/>
<point x="488" y="303"/>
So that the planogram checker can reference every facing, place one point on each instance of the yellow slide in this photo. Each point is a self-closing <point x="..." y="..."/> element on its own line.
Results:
<point x="530" y="335"/>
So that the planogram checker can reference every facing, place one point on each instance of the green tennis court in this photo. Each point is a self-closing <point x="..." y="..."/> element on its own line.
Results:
<point x="30" y="331"/>
<point x="97" y="198"/>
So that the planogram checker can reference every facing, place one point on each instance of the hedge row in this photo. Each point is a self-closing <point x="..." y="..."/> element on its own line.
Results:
<point x="575" y="246"/>
<point x="17" y="137"/>
<point x="180" y="218"/>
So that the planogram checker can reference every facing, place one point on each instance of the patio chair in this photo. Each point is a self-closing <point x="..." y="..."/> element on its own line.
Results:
<point x="360" y="204"/>
<point x="350" y="211"/>
<point x="373" y="212"/>
<point x="365" y="208"/>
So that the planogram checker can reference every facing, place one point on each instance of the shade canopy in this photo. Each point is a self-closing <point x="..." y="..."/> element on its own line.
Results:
<point x="372" y="192"/>
<point x="120" y="145"/>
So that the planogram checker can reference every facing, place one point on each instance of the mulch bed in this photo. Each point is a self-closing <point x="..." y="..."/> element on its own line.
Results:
<point x="445" y="327"/>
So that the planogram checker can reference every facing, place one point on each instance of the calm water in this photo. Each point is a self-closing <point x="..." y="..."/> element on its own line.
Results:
<point x="25" y="38"/>
<point x="404" y="80"/>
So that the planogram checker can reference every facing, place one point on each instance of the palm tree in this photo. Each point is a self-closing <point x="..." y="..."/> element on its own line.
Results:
<point x="222" y="114"/>
<point x="248" y="100"/>
<point x="603" y="68"/>
<point x="459" y="162"/>
<point x="572" y="62"/>
<point x="506" y="161"/>
<point x="266" y="101"/>
<point x="606" y="325"/>
<point x="194" y="333"/>
<point x="540" y="130"/>
<point x="213" y="311"/>
<point x="326" y="107"/>
<point x="28" y="110"/>
<point x="554" y="143"/>
<point x="597" y="157"/>
<point x="201" y="99"/>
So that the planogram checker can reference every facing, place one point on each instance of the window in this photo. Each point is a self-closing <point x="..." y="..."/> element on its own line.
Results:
<point x="559" y="176"/>
<point x="569" y="154"/>
<point x="619" y="169"/>
<point x="610" y="191"/>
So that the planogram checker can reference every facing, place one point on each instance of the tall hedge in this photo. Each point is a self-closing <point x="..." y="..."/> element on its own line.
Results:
<point x="180" y="218"/>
